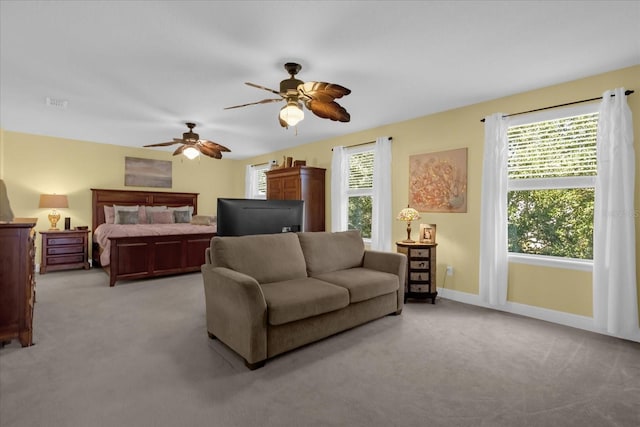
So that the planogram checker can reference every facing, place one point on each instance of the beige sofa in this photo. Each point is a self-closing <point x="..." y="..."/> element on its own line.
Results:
<point x="268" y="294"/>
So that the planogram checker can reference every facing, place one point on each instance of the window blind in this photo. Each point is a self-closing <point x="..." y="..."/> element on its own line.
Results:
<point x="361" y="170"/>
<point x="554" y="148"/>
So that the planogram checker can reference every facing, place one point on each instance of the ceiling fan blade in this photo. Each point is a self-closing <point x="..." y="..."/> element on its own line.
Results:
<point x="322" y="91"/>
<point x="179" y="150"/>
<point x="264" y="101"/>
<point x="214" y="145"/>
<point x="164" y="144"/>
<point x="328" y="110"/>
<point x="262" y="87"/>
<point x="209" y="151"/>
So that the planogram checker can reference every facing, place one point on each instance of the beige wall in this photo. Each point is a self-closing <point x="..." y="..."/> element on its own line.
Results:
<point x="31" y="165"/>
<point x="459" y="234"/>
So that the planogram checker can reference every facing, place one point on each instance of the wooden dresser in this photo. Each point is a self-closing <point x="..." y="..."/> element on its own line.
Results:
<point x="17" y="282"/>
<point x="300" y="183"/>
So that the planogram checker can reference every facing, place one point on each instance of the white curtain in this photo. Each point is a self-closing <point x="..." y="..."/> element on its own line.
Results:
<point x="493" y="212"/>
<point x="615" y="303"/>
<point x="381" y="216"/>
<point x="249" y="177"/>
<point x="339" y="174"/>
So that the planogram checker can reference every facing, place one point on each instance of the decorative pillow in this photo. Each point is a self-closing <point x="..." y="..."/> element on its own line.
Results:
<point x="187" y="209"/>
<point x="142" y="215"/>
<point x="150" y="209"/>
<point x="109" y="215"/>
<point x="182" y="217"/>
<point x="127" y="217"/>
<point x="125" y="209"/>
<point x="203" y="220"/>
<point x="162" y="217"/>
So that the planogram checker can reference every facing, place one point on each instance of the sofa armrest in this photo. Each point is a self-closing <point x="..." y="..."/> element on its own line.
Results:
<point x="207" y="256"/>
<point x="236" y="311"/>
<point x="389" y="262"/>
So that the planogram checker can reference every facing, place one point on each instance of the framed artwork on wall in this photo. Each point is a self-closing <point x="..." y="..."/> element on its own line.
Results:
<point x="438" y="181"/>
<point x="147" y="172"/>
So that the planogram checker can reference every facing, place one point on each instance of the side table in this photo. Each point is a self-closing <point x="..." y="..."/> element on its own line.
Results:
<point x="421" y="270"/>
<point x="64" y="250"/>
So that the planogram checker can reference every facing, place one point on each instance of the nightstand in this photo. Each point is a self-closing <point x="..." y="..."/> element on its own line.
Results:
<point x="64" y="250"/>
<point x="421" y="270"/>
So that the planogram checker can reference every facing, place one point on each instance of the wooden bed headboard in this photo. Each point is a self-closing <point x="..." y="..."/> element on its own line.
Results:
<point x="102" y="198"/>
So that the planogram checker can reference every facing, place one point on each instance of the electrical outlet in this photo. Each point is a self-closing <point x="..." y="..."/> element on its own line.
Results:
<point x="449" y="270"/>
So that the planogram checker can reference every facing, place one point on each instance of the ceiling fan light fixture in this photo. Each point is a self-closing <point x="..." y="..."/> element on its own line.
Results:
<point x="191" y="153"/>
<point x="292" y="113"/>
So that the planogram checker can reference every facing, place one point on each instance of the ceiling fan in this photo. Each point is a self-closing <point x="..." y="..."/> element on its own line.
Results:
<point x="192" y="146"/>
<point x="316" y="96"/>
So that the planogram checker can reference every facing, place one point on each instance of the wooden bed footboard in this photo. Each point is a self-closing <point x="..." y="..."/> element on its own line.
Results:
<point x="140" y="257"/>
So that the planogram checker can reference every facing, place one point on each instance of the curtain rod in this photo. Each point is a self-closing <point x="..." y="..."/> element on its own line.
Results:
<point x="259" y="164"/>
<point x="626" y="92"/>
<point x="363" y="143"/>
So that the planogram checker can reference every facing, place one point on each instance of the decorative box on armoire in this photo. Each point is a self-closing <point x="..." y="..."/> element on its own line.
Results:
<point x="300" y="183"/>
<point x="17" y="282"/>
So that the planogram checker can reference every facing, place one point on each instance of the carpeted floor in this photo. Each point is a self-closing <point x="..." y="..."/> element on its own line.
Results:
<point x="138" y="355"/>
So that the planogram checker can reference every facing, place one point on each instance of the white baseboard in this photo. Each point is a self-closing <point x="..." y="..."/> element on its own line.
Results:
<point x="559" y="317"/>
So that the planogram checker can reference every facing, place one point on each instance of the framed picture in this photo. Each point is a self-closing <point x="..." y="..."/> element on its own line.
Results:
<point x="147" y="172"/>
<point x="438" y="181"/>
<point x="428" y="233"/>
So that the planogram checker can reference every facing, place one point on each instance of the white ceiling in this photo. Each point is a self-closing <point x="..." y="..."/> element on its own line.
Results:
<point x="133" y="72"/>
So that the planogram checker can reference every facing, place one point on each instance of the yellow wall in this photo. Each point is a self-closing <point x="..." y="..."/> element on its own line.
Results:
<point x="459" y="234"/>
<point x="31" y="165"/>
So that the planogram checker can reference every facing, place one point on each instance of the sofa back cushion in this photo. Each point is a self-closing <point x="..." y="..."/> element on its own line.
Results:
<point x="325" y="252"/>
<point x="265" y="257"/>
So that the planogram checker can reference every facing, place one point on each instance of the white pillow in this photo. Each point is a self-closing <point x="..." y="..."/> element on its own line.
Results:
<point x="116" y="209"/>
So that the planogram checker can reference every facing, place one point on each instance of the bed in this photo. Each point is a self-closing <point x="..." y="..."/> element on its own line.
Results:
<point x="143" y="255"/>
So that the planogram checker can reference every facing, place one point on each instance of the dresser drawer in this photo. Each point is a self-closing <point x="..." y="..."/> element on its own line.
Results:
<point x="419" y="289"/>
<point x="61" y="250"/>
<point x="57" y="241"/>
<point x="419" y="253"/>
<point x="419" y="265"/>
<point x="65" y="259"/>
<point x="419" y="276"/>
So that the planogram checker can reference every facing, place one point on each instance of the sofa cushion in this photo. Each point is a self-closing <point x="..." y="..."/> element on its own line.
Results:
<point x="297" y="299"/>
<point x="325" y="252"/>
<point x="265" y="257"/>
<point x="363" y="283"/>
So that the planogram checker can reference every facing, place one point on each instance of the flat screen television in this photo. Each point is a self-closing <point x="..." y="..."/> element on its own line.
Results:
<point x="240" y="217"/>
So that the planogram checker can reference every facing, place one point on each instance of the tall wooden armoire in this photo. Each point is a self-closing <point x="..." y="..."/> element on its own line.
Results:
<point x="300" y="183"/>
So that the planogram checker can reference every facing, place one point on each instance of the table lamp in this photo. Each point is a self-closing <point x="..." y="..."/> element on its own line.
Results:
<point x="408" y="214"/>
<point x="53" y="202"/>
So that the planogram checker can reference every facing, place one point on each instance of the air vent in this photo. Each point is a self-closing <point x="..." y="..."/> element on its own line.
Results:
<point x="60" y="104"/>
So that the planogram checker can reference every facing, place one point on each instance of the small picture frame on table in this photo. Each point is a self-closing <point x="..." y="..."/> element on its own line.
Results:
<point x="428" y="233"/>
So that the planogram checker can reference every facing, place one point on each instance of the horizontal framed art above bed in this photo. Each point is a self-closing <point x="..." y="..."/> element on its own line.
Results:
<point x="135" y="254"/>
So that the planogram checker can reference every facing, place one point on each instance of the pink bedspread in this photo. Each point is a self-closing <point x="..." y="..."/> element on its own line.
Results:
<point x="104" y="231"/>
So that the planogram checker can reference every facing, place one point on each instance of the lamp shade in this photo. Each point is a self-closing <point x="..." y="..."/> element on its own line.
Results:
<point x="292" y="113"/>
<point x="408" y="214"/>
<point x="53" y="201"/>
<point x="191" y="153"/>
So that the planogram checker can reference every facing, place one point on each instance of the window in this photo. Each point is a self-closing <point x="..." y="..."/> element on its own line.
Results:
<point x="257" y="181"/>
<point x="551" y="170"/>
<point x="360" y="190"/>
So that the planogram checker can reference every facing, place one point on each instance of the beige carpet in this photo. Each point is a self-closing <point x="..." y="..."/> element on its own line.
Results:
<point x="138" y="355"/>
